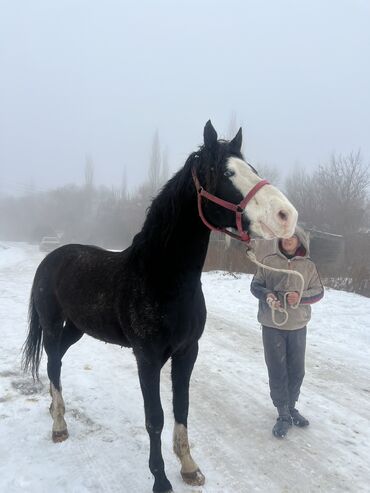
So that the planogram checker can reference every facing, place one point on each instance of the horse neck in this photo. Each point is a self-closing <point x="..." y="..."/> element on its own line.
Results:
<point x="186" y="247"/>
<point x="173" y="245"/>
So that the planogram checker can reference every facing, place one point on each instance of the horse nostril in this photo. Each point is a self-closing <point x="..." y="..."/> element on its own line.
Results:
<point x="283" y="216"/>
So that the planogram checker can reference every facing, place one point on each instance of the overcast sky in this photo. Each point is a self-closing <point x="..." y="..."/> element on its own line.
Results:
<point x="92" y="77"/>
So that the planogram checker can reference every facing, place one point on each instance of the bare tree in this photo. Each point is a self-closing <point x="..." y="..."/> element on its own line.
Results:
<point x="268" y="172"/>
<point x="233" y="126"/>
<point x="155" y="165"/>
<point x="367" y="215"/>
<point x="89" y="173"/>
<point x="300" y="188"/>
<point x="335" y="196"/>
<point x="343" y="184"/>
<point x="165" y="168"/>
<point x="124" y="191"/>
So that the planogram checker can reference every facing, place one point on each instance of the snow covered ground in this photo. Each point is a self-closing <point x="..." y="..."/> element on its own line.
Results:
<point x="230" y="412"/>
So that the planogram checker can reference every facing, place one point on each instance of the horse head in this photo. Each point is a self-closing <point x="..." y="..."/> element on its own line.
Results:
<point x="232" y="195"/>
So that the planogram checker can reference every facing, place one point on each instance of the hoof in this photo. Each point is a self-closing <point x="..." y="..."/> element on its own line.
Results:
<point x="60" y="436"/>
<point x="162" y="486"/>
<point x="195" y="478"/>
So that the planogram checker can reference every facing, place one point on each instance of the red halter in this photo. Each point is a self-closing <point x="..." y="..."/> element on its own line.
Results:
<point x="237" y="208"/>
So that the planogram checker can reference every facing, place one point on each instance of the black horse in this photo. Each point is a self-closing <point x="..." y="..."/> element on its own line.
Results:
<point x="149" y="297"/>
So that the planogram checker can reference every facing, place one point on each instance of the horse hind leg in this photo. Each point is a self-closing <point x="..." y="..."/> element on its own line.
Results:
<point x="57" y="410"/>
<point x="55" y="347"/>
<point x="57" y="407"/>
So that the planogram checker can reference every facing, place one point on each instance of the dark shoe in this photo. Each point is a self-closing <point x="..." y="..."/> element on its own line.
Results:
<point x="282" y="425"/>
<point x="298" y="419"/>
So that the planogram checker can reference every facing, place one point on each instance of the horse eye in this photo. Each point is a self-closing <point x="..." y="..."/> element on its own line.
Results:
<point x="229" y="173"/>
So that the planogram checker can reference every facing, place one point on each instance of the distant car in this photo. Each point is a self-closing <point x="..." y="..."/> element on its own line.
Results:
<point x="49" y="243"/>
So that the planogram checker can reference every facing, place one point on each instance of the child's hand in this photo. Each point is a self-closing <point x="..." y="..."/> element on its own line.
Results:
<point x="272" y="301"/>
<point x="293" y="298"/>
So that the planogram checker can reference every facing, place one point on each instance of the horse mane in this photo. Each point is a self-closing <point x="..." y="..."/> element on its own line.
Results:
<point x="166" y="207"/>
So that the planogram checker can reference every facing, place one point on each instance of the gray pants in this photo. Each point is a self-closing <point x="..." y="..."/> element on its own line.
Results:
<point x="285" y="358"/>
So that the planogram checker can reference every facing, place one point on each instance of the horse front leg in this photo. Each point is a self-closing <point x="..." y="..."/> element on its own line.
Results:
<point x="182" y="366"/>
<point x="149" y="374"/>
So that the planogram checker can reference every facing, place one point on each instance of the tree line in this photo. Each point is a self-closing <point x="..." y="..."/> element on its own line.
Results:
<point x="334" y="198"/>
<point x="100" y="215"/>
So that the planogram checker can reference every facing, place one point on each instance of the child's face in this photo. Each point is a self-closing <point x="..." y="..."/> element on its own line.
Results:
<point x="290" y="245"/>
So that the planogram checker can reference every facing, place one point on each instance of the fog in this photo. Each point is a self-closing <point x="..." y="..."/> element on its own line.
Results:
<point x="89" y="78"/>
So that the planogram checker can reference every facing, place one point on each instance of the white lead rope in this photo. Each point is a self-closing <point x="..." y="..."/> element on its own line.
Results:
<point x="281" y="309"/>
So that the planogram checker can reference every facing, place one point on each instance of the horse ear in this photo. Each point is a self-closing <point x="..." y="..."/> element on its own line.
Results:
<point x="236" y="143"/>
<point x="210" y="135"/>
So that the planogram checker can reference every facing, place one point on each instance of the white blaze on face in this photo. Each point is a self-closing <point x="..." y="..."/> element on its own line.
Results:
<point x="270" y="213"/>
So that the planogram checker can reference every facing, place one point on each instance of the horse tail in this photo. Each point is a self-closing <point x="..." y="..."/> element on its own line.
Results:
<point x="32" y="348"/>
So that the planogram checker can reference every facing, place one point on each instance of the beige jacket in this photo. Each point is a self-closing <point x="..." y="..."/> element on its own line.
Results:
<point x="266" y="281"/>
